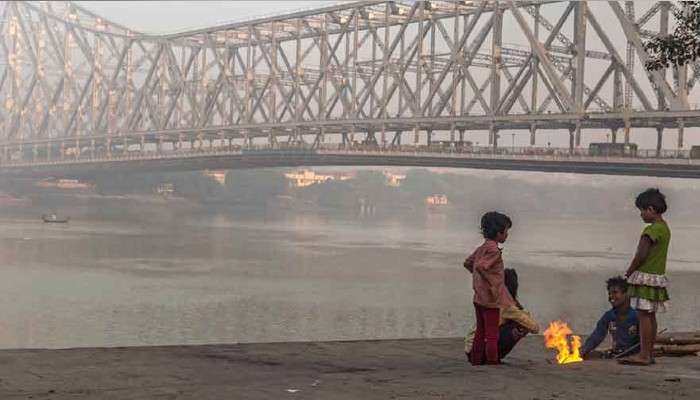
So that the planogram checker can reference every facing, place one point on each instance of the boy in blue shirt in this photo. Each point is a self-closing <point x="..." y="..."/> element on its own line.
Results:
<point x="620" y="321"/>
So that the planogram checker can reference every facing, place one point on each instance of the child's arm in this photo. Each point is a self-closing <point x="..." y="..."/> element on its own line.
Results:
<point x="486" y="262"/>
<point x="643" y="247"/>
<point x="597" y="336"/>
<point x="483" y="264"/>
<point x="469" y="263"/>
<point x="522" y="317"/>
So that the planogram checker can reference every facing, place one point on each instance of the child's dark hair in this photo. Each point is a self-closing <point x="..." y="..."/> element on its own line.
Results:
<point x="494" y="222"/>
<point x="651" y="198"/>
<point x="511" y="282"/>
<point x="617" y="282"/>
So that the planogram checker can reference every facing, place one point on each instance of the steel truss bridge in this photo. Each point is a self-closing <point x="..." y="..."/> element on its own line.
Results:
<point x="390" y="78"/>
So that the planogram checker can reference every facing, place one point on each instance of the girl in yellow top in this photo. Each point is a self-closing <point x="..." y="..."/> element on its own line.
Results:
<point x="646" y="274"/>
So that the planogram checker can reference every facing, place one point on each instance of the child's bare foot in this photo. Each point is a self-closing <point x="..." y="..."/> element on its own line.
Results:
<point x="635" y="360"/>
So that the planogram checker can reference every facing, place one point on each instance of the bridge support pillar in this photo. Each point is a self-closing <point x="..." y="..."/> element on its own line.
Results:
<point x="533" y="134"/>
<point x="92" y="148"/>
<point x="416" y="136"/>
<point x="63" y="150"/>
<point x="578" y="134"/>
<point x="659" y="140"/>
<point x="493" y="136"/>
<point x="430" y="137"/>
<point x="461" y="136"/>
<point x="397" y="139"/>
<point x="571" y="140"/>
<point x="627" y="132"/>
<point x="681" y="128"/>
<point x="613" y="132"/>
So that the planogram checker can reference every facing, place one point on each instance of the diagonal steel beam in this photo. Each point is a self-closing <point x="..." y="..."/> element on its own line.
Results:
<point x="599" y="85"/>
<point x="557" y="84"/>
<point x="131" y="120"/>
<point x="620" y="62"/>
<point x="632" y="33"/>
<point x="455" y="51"/>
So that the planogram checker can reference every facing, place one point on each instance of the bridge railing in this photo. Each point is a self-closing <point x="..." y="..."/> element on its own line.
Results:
<point x="512" y="151"/>
<point x="539" y="153"/>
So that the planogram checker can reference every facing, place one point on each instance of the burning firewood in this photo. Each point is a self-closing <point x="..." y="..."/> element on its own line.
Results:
<point x="557" y="337"/>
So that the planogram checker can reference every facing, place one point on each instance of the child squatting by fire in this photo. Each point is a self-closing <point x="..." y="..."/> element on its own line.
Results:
<point x="514" y="322"/>
<point x="620" y="321"/>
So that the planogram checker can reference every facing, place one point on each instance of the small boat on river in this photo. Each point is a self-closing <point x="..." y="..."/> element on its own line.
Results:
<point x="55" y="219"/>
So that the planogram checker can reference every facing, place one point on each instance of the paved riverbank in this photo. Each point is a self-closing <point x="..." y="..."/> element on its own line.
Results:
<point x="405" y="369"/>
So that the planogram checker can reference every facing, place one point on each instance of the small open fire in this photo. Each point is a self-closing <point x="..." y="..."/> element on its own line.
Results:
<point x="557" y="337"/>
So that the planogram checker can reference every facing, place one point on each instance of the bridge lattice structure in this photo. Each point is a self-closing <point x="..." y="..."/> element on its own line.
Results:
<point x="76" y="85"/>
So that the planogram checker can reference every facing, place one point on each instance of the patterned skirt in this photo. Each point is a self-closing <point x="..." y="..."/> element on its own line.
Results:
<point x="648" y="292"/>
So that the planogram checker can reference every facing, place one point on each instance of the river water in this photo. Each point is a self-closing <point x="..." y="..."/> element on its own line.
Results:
<point x="237" y="276"/>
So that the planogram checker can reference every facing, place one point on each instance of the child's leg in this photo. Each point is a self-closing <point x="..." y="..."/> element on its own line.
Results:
<point x="655" y="331"/>
<point x="646" y="337"/>
<point x="509" y="334"/>
<point x="491" y="316"/>
<point x="477" y="354"/>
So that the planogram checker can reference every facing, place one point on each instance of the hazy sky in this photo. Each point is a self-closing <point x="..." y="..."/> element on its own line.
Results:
<point x="172" y="16"/>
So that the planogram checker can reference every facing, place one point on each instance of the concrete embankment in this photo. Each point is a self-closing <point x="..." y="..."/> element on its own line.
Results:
<point x="387" y="369"/>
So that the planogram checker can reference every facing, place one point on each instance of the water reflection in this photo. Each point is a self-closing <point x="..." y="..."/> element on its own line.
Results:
<point x="186" y="279"/>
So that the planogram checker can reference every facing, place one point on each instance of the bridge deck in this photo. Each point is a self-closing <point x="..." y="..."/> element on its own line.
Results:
<point x="680" y="166"/>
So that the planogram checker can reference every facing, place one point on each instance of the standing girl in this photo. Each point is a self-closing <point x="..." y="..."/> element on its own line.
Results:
<point x="646" y="274"/>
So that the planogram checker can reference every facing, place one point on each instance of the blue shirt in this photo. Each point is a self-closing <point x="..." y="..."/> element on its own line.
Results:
<point x="625" y="333"/>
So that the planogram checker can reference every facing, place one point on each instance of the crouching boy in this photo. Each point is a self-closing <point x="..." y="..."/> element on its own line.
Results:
<point x="620" y="321"/>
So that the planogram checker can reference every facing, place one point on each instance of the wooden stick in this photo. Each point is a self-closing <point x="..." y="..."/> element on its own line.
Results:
<point x="679" y="341"/>
<point x="678" y="349"/>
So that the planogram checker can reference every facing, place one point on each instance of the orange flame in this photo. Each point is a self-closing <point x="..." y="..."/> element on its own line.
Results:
<point x="557" y="337"/>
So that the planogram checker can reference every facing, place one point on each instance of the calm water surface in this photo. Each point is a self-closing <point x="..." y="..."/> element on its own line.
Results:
<point x="174" y="278"/>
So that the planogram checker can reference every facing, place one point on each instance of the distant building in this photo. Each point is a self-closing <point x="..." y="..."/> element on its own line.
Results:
<point x="9" y="200"/>
<point x="437" y="200"/>
<point x="219" y="176"/>
<point x="393" y="180"/>
<point x="308" y="177"/>
<point x="66" y="184"/>
<point x="165" y="189"/>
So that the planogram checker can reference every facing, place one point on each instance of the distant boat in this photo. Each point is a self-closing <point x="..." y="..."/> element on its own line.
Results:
<point x="53" y="218"/>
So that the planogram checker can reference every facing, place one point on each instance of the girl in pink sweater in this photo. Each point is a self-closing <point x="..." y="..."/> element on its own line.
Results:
<point x="490" y="293"/>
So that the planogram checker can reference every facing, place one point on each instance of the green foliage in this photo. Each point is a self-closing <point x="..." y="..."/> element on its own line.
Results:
<point x="681" y="47"/>
<point x="254" y="186"/>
